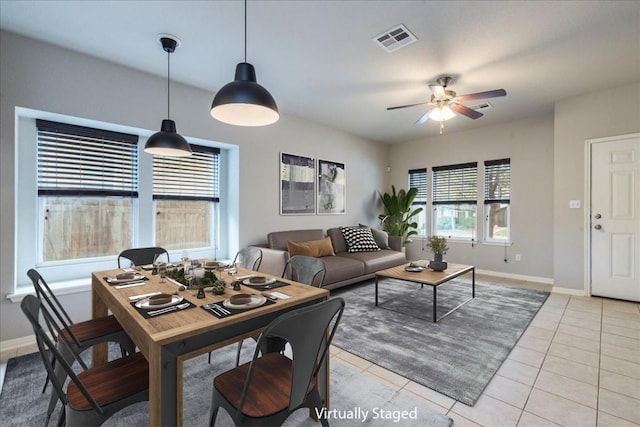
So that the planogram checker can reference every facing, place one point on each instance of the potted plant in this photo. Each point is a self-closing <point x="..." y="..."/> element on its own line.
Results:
<point x="398" y="212"/>
<point x="437" y="245"/>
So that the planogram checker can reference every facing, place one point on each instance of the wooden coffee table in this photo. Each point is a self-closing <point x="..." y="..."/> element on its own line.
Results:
<point x="431" y="278"/>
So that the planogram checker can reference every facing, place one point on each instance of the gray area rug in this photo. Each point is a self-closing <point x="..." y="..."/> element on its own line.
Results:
<point x="353" y="395"/>
<point x="457" y="356"/>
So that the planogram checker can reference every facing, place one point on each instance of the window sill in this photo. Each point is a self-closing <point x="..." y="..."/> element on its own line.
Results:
<point x="497" y="243"/>
<point x="58" y="288"/>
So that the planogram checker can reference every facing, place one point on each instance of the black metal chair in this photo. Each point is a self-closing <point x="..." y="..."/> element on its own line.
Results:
<point x="249" y="258"/>
<point x="305" y="269"/>
<point x="142" y="256"/>
<point x="94" y="394"/>
<point x="271" y="387"/>
<point x="79" y="336"/>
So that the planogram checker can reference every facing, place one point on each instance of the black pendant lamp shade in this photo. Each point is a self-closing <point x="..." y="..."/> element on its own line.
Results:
<point x="243" y="102"/>
<point x="168" y="142"/>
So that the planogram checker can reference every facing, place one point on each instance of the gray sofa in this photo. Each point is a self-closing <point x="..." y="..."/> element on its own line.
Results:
<point x="344" y="268"/>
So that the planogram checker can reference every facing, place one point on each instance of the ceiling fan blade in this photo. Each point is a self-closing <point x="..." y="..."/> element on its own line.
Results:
<point x="465" y="111"/>
<point x="405" y="106"/>
<point x="423" y="118"/>
<point x="438" y="91"/>
<point x="482" y="95"/>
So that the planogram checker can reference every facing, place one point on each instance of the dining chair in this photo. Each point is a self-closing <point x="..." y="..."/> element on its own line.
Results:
<point x="142" y="256"/>
<point x="249" y="258"/>
<point x="94" y="394"/>
<point x="272" y="386"/>
<point x="305" y="269"/>
<point x="79" y="336"/>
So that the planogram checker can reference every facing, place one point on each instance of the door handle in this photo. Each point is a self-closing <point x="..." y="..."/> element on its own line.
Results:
<point x="597" y="226"/>
<point x="598" y="216"/>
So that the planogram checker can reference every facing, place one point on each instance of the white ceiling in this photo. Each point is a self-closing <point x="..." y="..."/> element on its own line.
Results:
<point x="318" y="60"/>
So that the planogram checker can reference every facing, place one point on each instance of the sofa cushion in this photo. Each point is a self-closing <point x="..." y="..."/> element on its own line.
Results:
<point x="359" y="239"/>
<point x="380" y="236"/>
<point x="375" y="261"/>
<point x="341" y="268"/>
<point x="279" y="239"/>
<point x="314" y="248"/>
<point x="337" y="240"/>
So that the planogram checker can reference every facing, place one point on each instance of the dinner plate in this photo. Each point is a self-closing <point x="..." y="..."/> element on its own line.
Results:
<point x="256" y="301"/>
<point x="266" y="282"/>
<point x="128" y="279"/>
<point x="145" y="304"/>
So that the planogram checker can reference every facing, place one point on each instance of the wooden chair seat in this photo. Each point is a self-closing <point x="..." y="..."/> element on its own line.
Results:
<point x="269" y="389"/>
<point x="90" y="329"/>
<point x="110" y="382"/>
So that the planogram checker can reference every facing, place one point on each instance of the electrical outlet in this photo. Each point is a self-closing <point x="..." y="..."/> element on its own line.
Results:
<point x="518" y="257"/>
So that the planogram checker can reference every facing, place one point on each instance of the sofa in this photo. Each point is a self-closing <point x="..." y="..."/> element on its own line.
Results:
<point x="343" y="268"/>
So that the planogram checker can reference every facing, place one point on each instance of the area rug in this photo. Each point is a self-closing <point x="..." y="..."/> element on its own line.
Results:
<point x="457" y="356"/>
<point x="356" y="399"/>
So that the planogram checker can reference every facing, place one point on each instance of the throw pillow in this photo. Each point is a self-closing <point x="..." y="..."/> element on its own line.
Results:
<point x="380" y="236"/>
<point x="359" y="239"/>
<point x="314" y="248"/>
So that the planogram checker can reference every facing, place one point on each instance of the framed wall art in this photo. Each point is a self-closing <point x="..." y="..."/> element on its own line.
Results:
<point x="297" y="185"/>
<point x="332" y="188"/>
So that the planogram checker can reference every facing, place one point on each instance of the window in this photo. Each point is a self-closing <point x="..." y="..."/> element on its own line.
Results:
<point x="455" y="192"/>
<point x="497" y="193"/>
<point x="418" y="179"/>
<point x="87" y="188"/>
<point x="186" y="195"/>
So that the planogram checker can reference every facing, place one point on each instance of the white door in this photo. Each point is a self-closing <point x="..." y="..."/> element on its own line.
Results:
<point x="615" y="218"/>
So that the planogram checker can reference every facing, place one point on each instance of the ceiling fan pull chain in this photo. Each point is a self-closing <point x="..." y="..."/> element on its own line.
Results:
<point x="441" y="127"/>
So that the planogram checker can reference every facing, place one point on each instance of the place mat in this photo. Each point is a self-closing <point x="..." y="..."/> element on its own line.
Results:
<point x="147" y="316"/>
<point x="258" y="287"/>
<point x="232" y="311"/>
<point x="110" y="281"/>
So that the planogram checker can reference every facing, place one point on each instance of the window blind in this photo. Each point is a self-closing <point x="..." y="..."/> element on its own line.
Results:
<point x="418" y="180"/>
<point x="82" y="161"/>
<point x="455" y="184"/>
<point x="196" y="177"/>
<point x="497" y="181"/>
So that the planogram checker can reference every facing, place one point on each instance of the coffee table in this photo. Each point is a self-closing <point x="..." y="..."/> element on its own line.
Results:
<point x="431" y="278"/>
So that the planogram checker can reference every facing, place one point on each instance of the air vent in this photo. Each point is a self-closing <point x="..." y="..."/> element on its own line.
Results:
<point x="481" y="106"/>
<point x="395" y="38"/>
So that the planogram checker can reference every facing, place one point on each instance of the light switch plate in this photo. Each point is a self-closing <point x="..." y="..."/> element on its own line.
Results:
<point x="574" y="204"/>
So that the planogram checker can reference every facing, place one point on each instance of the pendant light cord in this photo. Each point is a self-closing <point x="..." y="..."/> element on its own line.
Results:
<point x="168" y="85"/>
<point x="245" y="30"/>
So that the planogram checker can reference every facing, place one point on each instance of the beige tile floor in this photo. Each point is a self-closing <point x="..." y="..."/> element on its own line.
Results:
<point x="577" y="364"/>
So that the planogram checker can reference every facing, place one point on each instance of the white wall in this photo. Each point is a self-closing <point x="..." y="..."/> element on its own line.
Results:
<point x="529" y="145"/>
<point x="43" y="77"/>
<point x="600" y="114"/>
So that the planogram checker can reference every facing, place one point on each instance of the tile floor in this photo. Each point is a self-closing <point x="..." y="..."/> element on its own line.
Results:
<point x="577" y="364"/>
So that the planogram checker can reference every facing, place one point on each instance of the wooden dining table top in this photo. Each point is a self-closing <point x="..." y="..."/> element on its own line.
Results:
<point x="184" y="323"/>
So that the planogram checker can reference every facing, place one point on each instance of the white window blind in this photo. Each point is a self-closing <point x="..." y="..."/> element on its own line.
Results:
<point x="454" y="184"/>
<point x="82" y="161"/>
<point x="418" y="180"/>
<point x="196" y="177"/>
<point x="497" y="181"/>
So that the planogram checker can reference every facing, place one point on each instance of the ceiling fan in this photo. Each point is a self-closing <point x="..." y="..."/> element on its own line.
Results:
<point x="445" y="103"/>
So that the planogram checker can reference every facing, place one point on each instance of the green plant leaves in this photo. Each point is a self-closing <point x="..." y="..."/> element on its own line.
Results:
<point x="397" y="213"/>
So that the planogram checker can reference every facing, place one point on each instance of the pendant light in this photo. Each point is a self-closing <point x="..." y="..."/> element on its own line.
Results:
<point x="168" y="142"/>
<point x="243" y="102"/>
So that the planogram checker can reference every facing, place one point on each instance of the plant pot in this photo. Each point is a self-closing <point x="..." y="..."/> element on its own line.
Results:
<point x="438" y="264"/>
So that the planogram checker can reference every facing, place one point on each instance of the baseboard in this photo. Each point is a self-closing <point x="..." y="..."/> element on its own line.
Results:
<point x="18" y="344"/>
<point x="569" y="291"/>
<point x="537" y="279"/>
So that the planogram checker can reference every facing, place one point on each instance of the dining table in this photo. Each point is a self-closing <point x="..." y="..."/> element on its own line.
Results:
<point x="169" y="339"/>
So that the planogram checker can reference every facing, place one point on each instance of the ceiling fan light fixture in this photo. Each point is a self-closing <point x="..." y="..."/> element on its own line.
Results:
<point x="168" y="142"/>
<point x="441" y="114"/>
<point x="243" y="102"/>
